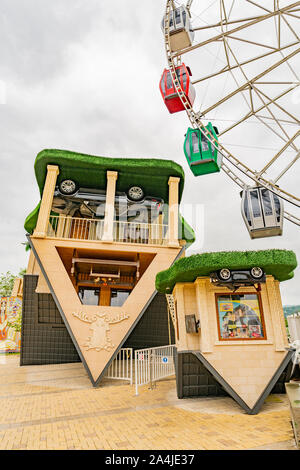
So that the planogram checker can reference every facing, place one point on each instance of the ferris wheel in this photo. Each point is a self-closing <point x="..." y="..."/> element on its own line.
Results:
<point x="233" y="67"/>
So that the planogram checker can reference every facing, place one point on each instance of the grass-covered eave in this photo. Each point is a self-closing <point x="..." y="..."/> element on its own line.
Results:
<point x="90" y="171"/>
<point x="278" y="263"/>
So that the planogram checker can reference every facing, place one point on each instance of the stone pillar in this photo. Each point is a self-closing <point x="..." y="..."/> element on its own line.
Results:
<point x="46" y="203"/>
<point x="276" y="313"/>
<point x="173" y="211"/>
<point x="112" y="177"/>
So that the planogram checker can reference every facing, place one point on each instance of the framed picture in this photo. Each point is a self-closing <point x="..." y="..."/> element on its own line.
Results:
<point x="240" y="317"/>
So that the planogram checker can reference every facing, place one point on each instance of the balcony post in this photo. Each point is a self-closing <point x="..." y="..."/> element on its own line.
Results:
<point x="173" y="211"/>
<point x="46" y="202"/>
<point x="112" y="177"/>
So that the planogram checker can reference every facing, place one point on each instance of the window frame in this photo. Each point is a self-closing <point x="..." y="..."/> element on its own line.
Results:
<point x="261" y="311"/>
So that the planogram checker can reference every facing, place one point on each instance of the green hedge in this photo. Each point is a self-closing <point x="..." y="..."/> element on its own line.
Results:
<point x="279" y="263"/>
<point x="90" y="171"/>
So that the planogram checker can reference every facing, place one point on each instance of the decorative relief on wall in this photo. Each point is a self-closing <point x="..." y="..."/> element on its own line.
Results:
<point x="171" y="308"/>
<point x="100" y="328"/>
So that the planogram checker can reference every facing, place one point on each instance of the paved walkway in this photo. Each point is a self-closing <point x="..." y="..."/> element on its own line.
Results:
<point x="56" y="407"/>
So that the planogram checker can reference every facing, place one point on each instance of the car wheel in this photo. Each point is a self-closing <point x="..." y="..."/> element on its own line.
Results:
<point x="135" y="193"/>
<point x="68" y="187"/>
<point x="257" y="273"/>
<point x="225" y="274"/>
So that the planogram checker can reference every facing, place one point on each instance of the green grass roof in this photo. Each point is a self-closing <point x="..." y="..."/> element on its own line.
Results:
<point x="90" y="172"/>
<point x="279" y="263"/>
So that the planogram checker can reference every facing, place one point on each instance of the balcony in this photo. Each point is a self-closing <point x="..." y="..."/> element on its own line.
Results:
<point x="76" y="228"/>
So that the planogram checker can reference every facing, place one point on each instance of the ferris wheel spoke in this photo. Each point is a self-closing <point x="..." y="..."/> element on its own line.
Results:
<point x="275" y="49"/>
<point x="287" y="167"/>
<point x="252" y="81"/>
<point x="290" y="27"/>
<point x="234" y="30"/>
<point x="218" y="25"/>
<point x="274" y="118"/>
<point x="233" y="67"/>
<point x="258" y="5"/>
<point x="255" y="88"/>
<point x="188" y="5"/>
<point x="254" y="112"/>
<point x="228" y="50"/>
<point x="274" y="102"/>
<point x="278" y="153"/>
<point x="291" y="14"/>
<point x="291" y="218"/>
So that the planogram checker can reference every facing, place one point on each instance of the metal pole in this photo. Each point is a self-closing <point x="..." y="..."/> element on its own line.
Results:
<point x="136" y="374"/>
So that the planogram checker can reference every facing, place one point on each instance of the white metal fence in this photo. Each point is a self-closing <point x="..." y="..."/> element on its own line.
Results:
<point x="121" y="367"/>
<point x="153" y="364"/>
<point x="93" y="229"/>
<point x="294" y="326"/>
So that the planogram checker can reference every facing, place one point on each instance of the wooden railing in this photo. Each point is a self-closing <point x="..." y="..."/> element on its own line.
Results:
<point x="93" y="229"/>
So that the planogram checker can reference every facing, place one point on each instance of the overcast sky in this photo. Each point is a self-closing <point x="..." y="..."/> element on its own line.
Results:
<point x="83" y="76"/>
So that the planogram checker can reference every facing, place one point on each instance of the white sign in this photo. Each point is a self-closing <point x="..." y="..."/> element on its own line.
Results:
<point x="165" y="360"/>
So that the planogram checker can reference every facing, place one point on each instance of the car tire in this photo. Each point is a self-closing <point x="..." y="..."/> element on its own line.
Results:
<point x="67" y="187"/>
<point x="224" y="274"/>
<point x="135" y="194"/>
<point x="256" y="272"/>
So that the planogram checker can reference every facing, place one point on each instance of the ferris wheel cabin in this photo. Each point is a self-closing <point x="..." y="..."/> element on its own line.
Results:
<point x="262" y="212"/>
<point x="168" y="90"/>
<point x="181" y="33"/>
<point x="202" y="157"/>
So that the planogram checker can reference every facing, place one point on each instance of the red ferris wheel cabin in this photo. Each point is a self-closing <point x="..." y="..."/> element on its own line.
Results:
<point x="168" y="91"/>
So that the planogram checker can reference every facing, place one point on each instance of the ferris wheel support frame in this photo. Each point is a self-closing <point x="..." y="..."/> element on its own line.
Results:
<point x="197" y="123"/>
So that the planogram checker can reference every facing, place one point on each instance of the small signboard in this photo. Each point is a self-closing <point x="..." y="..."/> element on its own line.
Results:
<point x="165" y="360"/>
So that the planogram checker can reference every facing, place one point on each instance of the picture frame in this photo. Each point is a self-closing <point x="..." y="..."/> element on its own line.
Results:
<point x="240" y="316"/>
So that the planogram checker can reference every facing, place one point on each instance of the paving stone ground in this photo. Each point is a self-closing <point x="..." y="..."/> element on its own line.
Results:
<point x="55" y="407"/>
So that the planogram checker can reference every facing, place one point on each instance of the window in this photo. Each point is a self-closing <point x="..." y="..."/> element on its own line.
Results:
<point x="204" y="143"/>
<point x="89" y="295"/>
<point x="177" y="16"/>
<point x="187" y="148"/>
<point x="195" y="143"/>
<point x="169" y="80"/>
<point x="240" y="317"/>
<point x="277" y="207"/>
<point x="163" y="85"/>
<point x="246" y="210"/>
<point x="184" y="80"/>
<point x="255" y="204"/>
<point x="118" y="297"/>
<point x="266" y="197"/>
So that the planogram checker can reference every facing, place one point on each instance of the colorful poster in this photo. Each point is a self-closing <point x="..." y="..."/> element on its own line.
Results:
<point x="240" y="317"/>
<point x="10" y="324"/>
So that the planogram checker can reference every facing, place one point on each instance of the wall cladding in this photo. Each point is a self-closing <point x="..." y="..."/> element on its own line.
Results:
<point x="153" y="328"/>
<point x="44" y="338"/>
<point x="194" y="380"/>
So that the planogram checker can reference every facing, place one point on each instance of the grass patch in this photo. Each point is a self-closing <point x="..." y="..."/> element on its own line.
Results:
<point x="278" y="263"/>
